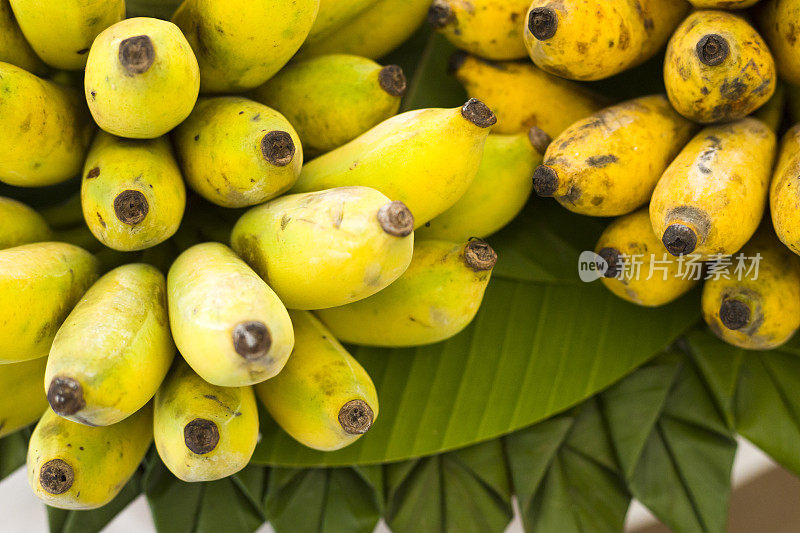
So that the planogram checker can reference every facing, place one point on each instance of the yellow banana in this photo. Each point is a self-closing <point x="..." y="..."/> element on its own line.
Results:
<point x="447" y="145"/>
<point x="784" y="192"/>
<point x="718" y="68"/>
<point x="778" y="24"/>
<point x="64" y="214"/>
<point x="373" y="33"/>
<point x="332" y="99"/>
<point x="323" y="398"/>
<point x="39" y="285"/>
<point x="334" y="14"/>
<point x="582" y="40"/>
<point x="433" y="300"/>
<point x="62" y="32"/>
<point x="14" y="48"/>
<point x="132" y="192"/>
<point x="487" y="28"/>
<point x="722" y="4"/>
<point x="46" y="130"/>
<point x="235" y="152"/>
<point x="522" y="95"/>
<point x="142" y="78"/>
<point x="23" y="400"/>
<point x="240" y="44"/>
<point x="73" y="466"/>
<point x="20" y="224"/>
<point x="497" y="194"/>
<point x="326" y="248"/>
<point x="99" y="375"/>
<point x="757" y="308"/>
<point x="203" y="432"/>
<point x="229" y="325"/>
<point x="609" y="163"/>
<point x="712" y="197"/>
<point x="773" y="111"/>
<point x="639" y="269"/>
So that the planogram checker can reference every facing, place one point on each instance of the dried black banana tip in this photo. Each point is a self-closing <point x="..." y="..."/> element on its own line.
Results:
<point x="478" y="113"/>
<point x="479" y="256"/>
<point x="679" y="239"/>
<point x="393" y="80"/>
<point x="712" y="49"/>
<point x="277" y="147"/>
<point x="734" y="314"/>
<point x="56" y="476"/>
<point x="542" y="23"/>
<point x="201" y="436"/>
<point x="251" y="339"/>
<point x="65" y="396"/>
<point x="396" y="219"/>
<point x="456" y="61"/>
<point x="613" y="259"/>
<point x="355" y="417"/>
<point x="440" y="15"/>
<point x="136" y="54"/>
<point x="545" y="181"/>
<point x="539" y="139"/>
<point x="131" y="207"/>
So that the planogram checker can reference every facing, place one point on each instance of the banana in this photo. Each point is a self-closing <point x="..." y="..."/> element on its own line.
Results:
<point x="373" y="33"/>
<point x="761" y="310"/>
<point x="334" y="14"/>
<point x="19" y="224"/>
<point x="14" y="48"/>
<point x="784" y="192"/>
<point x="240" y="44"/>
<point x="522" y="95"/>
<point x="142" y="78"/>
<point x="100" y="375"/>
<point x="61" y="32"/>
<point x="447" y="145"/>
<point x="323" y="398"/>
<point x="228" y="324"/>
<point x="332" y="99"/>
<point x="72" y="466"/>
<point x="39" y="285"/>
<point x="777" y="20"/>
<point x="203" y="432"/>
<point x="46" y="130"/>
<point x="132" y="192"/>
<point x="722" y="4"/>
<point x="497" y="194"/>
<point x="639" y="269"/>
<point x="712" y="197"/>
<point x="22" y="401"/>
<point x="718" y="68"/>
<point x="773" y="111"/>
<point x="433" y="300"/>
<point x="65" y="213"/>
<point x="609" y="163"/>
<point x="326" y="248"/>
<point x="486" y="28"/>
<point x="236" y="153"/>
<point x="592" y="40"/>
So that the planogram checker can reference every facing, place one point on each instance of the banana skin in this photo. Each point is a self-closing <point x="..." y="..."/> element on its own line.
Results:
<point x="22" y="401"/>
<point x="97" y="375"/>
<point x="711" y="198"/>
<point x="784" y="191"/>
<point x="323" y="398"/>
<point x="203" y="432"/>
<point x="20" y="224"/>
<point x="14" y="48"/>
<point x="326" y="248"/>
<point x="436" y="298"/>
<point x="777" y="20"/>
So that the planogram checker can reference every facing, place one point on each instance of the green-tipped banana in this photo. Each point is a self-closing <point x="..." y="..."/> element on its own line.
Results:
<point x="228" y="324"/>
<point x="14" y="48"/>
<point x="203" y="432"/>
<point x="142" y="78"/>
<point x="236" y="152"/>
<point x="242" y="44"/>
<point x="436" y="298"/>
<point x="19" y="224"/>
<point x="497" y="194"/>
<point x="99" y="376"/>
<point x="62" y="32"/>
<point x="23" y="400"/>
<point x="447" y="145"/>
<point x="333" y="99"/>
<point x="46" y="130"/>
<point x="327" y="248"/>
<point x="323" y="398"/>
<point x="72" y="466"/>
<point x="39" y="285"/>
<point x="132" y="192"/>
